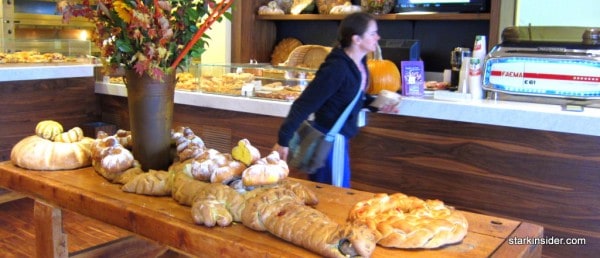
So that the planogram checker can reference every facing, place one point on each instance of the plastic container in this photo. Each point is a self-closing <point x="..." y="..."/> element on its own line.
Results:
<point x="475" y="78"/>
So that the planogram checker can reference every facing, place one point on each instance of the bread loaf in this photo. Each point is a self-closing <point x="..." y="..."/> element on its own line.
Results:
<point x="217" y="204"/>
<point x="215" y="167"/>
<point x="280" y="212"/>
<point x="109" y="158"/>
<point x="124" y="138"/>
<point x="225" y="174"/>
<point x="189" y="145"/>
<point x="268" y="170"/>
<point x="37" y="153"/>
<point x="185" y="188"/>
<point x="409" y="222"/>
<point x="263" y="174"/>
<point x="153" y="182"/>
<point x="129" y="174"/>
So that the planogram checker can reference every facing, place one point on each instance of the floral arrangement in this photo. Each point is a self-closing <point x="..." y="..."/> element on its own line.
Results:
<point x="149" y="36"/>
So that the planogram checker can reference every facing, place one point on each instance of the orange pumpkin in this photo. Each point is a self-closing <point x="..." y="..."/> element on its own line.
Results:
<point x="384" y="74"/>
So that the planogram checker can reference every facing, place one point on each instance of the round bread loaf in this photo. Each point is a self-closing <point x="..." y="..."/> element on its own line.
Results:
<point x="37" y="153"/>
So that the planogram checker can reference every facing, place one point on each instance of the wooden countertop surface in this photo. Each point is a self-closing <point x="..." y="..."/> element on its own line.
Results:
<point x="165" y="221"/>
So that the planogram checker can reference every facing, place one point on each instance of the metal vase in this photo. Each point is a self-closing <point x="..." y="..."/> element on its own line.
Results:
<point x="150" y="118"/>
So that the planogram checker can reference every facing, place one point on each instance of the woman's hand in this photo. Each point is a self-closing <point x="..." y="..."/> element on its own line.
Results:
<point x="283" y="151"/>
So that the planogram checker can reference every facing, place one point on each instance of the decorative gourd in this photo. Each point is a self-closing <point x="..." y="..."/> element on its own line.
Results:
<point x="73" y="135"/>
<point x="48" y="129"/>
<point x="384" y="74"/>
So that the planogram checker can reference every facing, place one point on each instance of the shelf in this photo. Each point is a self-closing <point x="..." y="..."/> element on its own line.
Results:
<point x="46" y="20"/>
<point x="391" y="17"/>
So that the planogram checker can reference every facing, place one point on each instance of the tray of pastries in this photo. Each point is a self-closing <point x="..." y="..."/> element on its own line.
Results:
<point x="227" y="84"/>
<point x="34" y="57"/>
<point x="278" y="91"/>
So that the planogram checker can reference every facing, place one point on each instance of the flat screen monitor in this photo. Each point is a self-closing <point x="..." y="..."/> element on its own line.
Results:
<point x="460" y="6"/>
<point x="398" y="50"/>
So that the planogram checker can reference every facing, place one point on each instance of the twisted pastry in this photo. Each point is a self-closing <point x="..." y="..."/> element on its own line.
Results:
<point x="189" y="145"/>
<point x="109" y="158"/>
<point x="268" y="170"/>
<point x="153" y="182"/>
<point x="215" y="167"/>
<point x="280" y="212"/>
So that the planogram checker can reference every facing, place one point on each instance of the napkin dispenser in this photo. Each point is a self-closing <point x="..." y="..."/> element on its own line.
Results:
<point x="563" y="69"/>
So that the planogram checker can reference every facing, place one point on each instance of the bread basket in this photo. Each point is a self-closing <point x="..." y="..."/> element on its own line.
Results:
<point x="308" y="56"/>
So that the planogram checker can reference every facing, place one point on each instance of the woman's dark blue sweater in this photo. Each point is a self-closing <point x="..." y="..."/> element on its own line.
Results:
<point x="334" y="86"/>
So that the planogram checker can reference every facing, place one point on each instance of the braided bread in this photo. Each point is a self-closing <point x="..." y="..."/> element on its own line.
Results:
<point x="409" y="222"/>
<point x="280" y="212"/>
<point x="153" y="182"/>
<point x="189" y="145"/>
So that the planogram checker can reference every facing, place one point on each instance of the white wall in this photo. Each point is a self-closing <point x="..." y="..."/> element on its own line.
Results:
<point x="583" y="13"/>
<point x="219" y="44"/>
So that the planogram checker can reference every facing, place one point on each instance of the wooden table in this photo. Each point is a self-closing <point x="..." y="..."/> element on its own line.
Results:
<point x="167" y="223"/>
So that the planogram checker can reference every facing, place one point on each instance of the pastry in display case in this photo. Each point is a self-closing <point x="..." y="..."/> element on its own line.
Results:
<point x="186" y="81"/>
<point x="254" y="80"/>
<point x="44" y="51"/>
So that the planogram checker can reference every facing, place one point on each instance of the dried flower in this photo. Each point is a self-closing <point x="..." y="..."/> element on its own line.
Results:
<point x="149" y="36"/>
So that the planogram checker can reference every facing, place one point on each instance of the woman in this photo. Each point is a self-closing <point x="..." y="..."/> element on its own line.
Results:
<point x="336" y="83"/>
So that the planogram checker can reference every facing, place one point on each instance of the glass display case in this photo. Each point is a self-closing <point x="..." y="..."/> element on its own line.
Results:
<point x="13" y="51"/>
<point x="251" y="80"/>
<point x="254" y="80"/>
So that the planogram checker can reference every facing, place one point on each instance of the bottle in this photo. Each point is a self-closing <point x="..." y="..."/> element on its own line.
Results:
<point x="475" y="78"/>
<point x="463" y="76"/>
<point x="456" y="60"/>
<point x="479" y="48"/>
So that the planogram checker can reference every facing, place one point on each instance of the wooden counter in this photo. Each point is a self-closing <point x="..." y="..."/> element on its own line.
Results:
<point x="547" y="178"/>
<point x="162" y="220"/>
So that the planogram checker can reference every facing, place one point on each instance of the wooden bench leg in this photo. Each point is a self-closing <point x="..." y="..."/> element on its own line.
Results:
<point x="8" y="196"/>
<point x="50" y="239"/>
